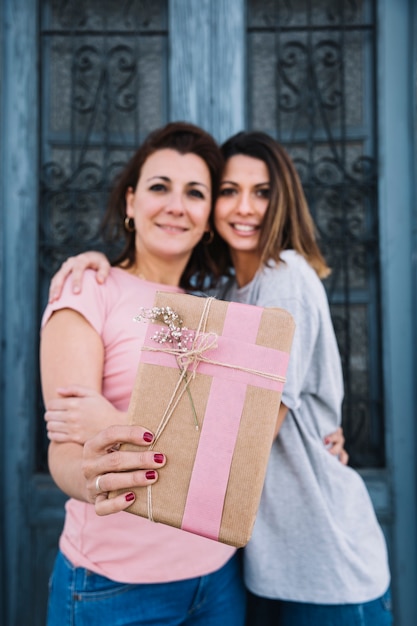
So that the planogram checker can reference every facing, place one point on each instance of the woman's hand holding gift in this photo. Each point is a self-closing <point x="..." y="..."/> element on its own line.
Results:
<point x="107" y="467"/>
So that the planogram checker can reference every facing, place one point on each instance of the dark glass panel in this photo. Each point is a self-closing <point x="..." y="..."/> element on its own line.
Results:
<point x="311" y="67"/>
<point x="103" y="88"/>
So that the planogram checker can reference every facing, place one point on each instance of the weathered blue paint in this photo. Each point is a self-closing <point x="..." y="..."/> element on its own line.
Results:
<point x="396" y="195"/>
<point x="19" y="189"/>
<point x="2" y="501"/>
<point x="207" y="64"/>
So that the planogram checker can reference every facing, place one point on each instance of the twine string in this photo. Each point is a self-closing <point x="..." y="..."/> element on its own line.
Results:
<point x="188" y="361"/>
<point x="183" y="364"/>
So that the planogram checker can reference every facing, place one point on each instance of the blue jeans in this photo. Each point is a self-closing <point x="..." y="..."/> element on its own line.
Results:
<point x="78" y="597"/>
<point x="264" y="612"/>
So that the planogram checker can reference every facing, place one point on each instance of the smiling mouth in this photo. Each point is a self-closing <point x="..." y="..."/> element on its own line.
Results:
<point x="245" y="228"/>
<point x="172" y="229"/>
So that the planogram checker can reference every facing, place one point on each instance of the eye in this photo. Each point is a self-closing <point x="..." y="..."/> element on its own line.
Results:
<point x="264" y="193"/>
<point x="196" y="193"/>
<point x="157" y="187"/>
<point x="227" y="191"/>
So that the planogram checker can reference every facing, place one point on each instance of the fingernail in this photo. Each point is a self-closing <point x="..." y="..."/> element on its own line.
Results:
<point x="148" y="437"/>
<point x="150" y="475"/>
<point x="129" y="497"/>
<point x="158" y="458"/>
<point x="326" y="441"/>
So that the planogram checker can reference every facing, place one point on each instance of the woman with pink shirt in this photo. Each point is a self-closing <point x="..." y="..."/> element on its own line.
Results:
<point x="121" y="569"/>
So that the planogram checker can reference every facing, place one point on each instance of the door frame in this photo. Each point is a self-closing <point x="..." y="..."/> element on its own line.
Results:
<point x="396" y="91"/>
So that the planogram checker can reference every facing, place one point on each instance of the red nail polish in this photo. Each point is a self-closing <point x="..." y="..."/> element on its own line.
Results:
<point x="158" y="458"/>
<point x="150" y="475"/>
<point x="148" y="437"/>
<point x="129" y="497"/>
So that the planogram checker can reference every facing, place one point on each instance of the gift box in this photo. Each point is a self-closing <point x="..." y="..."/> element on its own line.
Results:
<point x="209" y="386"/>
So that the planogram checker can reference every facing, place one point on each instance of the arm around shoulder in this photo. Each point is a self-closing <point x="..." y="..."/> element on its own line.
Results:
<point x="75" y="267"/>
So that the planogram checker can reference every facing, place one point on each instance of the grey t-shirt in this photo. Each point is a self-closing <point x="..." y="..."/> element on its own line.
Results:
<point x="316" y="538"/>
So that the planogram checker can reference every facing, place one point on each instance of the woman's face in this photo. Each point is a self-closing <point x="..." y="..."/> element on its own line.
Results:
<point x="170" y="205"/>
<point x="242" y="203"/>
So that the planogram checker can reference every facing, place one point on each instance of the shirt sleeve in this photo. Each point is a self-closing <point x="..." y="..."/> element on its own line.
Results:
<point x="90" y="303"/>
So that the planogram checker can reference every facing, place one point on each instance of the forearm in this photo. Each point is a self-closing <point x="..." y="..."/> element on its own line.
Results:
<point x="65" y="465"/>
<point x="66" y="339"/>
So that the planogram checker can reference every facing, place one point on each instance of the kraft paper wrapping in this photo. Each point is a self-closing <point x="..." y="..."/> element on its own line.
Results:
<point x="213" y="479"/>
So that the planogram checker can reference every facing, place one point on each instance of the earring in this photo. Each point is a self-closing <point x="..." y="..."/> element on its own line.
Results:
<point x="207" y="241"/>
<point x="129" y="224"/>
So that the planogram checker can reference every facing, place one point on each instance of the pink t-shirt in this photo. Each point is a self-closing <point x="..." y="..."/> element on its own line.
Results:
<point x="125" y="547"/>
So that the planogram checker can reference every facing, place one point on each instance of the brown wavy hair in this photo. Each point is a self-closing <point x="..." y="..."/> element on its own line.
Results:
<point x="186" y="139"/>
<point x="288" y="223"/>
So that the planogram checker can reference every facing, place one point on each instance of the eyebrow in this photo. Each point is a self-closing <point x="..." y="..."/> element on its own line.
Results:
<point x="168" y="180"/>
<point x="233" y="182"/>
<point x="163" y="178"/>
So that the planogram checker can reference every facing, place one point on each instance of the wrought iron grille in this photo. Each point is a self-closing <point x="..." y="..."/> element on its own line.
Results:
<point x="103" y="88"/>
<point x="312" y="68"/>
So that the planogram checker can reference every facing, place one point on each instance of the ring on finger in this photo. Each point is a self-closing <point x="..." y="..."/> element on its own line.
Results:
<point x="98" y="489"/>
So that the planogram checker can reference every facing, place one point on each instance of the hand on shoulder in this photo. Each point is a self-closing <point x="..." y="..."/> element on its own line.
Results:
<point x="75" y="267"/>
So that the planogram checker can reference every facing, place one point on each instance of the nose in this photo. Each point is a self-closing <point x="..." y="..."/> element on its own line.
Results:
<point x="175" y="204"/>
<point x="245" y="205"/>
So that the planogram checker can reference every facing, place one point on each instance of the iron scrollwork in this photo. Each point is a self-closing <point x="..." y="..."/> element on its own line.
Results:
<point x="103" y="77"/>
<point x="308" y="63"/>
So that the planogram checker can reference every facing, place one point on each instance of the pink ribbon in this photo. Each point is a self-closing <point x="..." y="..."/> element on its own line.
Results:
<point x="236" y="346"/>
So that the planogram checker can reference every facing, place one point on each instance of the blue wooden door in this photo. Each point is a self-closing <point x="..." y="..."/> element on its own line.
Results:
<point x="333" y="81"/>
